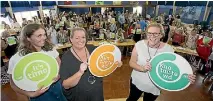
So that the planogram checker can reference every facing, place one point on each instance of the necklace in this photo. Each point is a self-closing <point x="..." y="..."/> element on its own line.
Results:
<point x="155" y="51"/>
<point x="91" y="79"/>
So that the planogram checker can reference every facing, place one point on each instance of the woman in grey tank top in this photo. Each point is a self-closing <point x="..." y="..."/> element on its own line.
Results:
<point x="143" y="51"/>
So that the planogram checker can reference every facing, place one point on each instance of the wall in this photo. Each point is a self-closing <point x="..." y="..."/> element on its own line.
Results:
<point x="210" y="17"/>
<point x="190" y="13"/>
<point x="165" y="9"/>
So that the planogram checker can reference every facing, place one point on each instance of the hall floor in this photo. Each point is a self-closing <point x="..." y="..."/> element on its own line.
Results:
<point x="116" y="85"/>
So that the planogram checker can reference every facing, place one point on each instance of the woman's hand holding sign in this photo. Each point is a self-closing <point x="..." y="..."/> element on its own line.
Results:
<point x="119" y="63"/>
<point x="192" y="78"/>
<point x="147" y="67"/>
<point x="56" y="78"/>
<point x="83" y="67"/>
<point x="38" y="92"/>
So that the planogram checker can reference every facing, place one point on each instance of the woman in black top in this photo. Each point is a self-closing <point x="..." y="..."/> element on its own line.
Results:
<point x="78" y="83"/>
<point x="166" y="31"/>
<point x="10" y="50"/>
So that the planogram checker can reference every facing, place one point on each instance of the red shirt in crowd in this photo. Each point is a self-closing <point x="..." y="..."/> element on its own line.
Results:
<point x="204" y="51"/>
<point x="178" y="38"/>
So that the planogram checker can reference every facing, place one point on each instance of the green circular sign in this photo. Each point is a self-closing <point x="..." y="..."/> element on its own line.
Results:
<point x="11" y="40"/>
<point x="35" y="70"/>
<point x="170" y="71"/>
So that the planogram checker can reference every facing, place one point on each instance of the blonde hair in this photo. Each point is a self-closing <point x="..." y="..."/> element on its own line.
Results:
<point x="77" y="29"/>
<point x="158" y="26"/>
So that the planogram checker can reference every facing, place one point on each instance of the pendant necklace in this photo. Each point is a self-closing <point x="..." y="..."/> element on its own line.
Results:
<point x="155" y="51"/>
<point x="91" y="79"/>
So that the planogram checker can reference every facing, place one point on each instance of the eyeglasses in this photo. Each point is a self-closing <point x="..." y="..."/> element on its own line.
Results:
<point x="154" y="34"/>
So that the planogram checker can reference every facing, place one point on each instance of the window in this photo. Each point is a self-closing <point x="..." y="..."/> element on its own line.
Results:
<point x="137" y="9"/>
<point x="18" y="17"/>
<point x="47" y="11"/>
<point x="33" y="13"/>
<point x="27" y="14"/>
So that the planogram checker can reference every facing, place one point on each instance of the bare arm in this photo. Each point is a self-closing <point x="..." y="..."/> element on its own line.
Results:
<point x="72" y="81"/>
<point x="59" y="61"/>
<point x="27" y="93"/>
<point x="3" y="45"/>
<point x="186" y="38"/>
<point x="170" y="36"/>
<point x="133" y="61"/>
<point x="15" y="88"/>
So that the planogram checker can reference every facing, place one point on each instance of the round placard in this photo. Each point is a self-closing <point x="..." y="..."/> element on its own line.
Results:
<point x="104" y="60"/>
<point x="170" y="71"/>
<point x="11" y="40"/>
<point x="35" y="70"/>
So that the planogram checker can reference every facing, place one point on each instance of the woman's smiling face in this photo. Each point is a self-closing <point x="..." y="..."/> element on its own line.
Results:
<point x="153" y="35"/>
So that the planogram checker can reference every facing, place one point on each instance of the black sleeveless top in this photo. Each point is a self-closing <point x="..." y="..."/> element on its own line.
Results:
<point x="83" y="91"/>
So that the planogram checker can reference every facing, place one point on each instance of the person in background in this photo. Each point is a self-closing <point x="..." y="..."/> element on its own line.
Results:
<point x="178" y="37"/>
<point x="130" y="17"/>
<point x="90" y="32"/>
<point x="24" y="22"/>
<point x="71" y="23"/>
<point x="191" y="39"/>
<point x="121" y="20"/>
<point x="15" y="24"/>
<point x="34" y="40"/>
<point x="4" y="45"/>
<point x="38" y="21"/>
<point x="97" y="27"/>
<point x="30" y="22"/>
<point x="48" y="30"/>
<point x="57" y="25"/>
<point x="64" y="19"/>
<point x="113" y="27"/>
<point x="137" y="33"/>
<point x="119" y="35"/>
<point x="110" y="35"/>
<point x="62" y="36"/>
<point x="166" y="36"/>
<point x="204" y="49"/>
<point x="76" y="24"/>
<point x="171" y="19"/>
<point x="47" y="19"/>
<point x="142" y="53"/>
<point x="131" y="27"/>
<point x="102" y="34"/>
<point x="77" y="81"/>
<point x="53" y="35"/>
<point x="161" y="19"/>
<point x="10" y="50"/>
<point x="143" y="24"/>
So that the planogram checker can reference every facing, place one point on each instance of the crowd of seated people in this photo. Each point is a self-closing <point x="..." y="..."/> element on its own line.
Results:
<point x="112" y="25"/>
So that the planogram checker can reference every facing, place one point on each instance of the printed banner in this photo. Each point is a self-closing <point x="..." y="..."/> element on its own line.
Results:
<point x="104" y="60"/>
<point x="170" y="71"/>
<point x="99" y="2"/>
<point x="117" y="2"/>
<point x="35" y="70"/>
<point x="133" y="2"/>
<point x="81" y="2"/>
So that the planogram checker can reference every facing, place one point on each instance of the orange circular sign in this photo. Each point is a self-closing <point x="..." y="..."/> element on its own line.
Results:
<point x="104" y="60"/>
